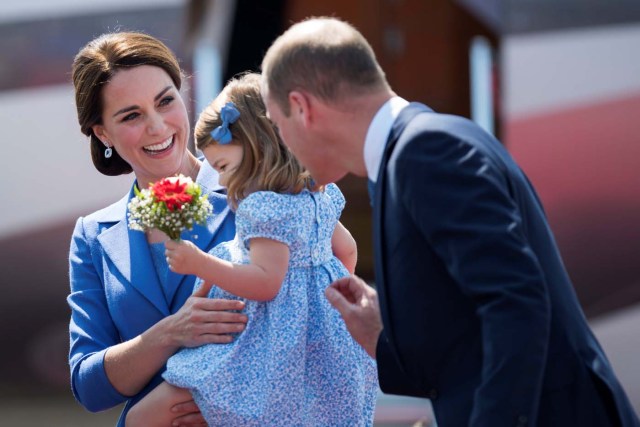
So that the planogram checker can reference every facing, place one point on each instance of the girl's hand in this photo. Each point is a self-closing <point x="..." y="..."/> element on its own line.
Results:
<point x="183" y="256"/>
<point x="204" y="320"/>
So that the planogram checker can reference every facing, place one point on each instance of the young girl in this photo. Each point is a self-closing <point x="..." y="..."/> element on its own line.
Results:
<point x="295" y="363"/>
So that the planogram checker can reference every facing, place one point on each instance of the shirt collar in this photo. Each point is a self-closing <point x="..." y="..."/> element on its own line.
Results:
<point x="378" y="133"/>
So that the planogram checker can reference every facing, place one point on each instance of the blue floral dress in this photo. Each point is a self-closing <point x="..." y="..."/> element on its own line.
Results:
<point x="295" y="364"/>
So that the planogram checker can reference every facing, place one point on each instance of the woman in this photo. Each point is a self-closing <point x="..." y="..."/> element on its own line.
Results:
<point x="129" y="313"/>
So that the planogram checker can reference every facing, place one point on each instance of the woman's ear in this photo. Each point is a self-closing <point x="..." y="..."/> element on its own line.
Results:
<point x="98" y="130"/>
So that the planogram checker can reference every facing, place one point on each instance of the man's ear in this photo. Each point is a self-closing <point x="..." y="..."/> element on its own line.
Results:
<point x="301" y="106"/>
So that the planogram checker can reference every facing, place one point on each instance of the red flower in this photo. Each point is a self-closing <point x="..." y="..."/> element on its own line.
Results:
<point x="172" y="192"/>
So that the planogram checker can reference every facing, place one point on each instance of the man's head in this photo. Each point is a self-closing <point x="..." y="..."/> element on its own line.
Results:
<point x="325" y="57"/>
<point x="316" y="77"/>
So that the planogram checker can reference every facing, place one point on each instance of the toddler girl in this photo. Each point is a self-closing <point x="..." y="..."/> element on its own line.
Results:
<point x="295" y="364"/>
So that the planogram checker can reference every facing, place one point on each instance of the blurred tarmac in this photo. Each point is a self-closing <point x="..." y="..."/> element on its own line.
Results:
<point x="618" y="334"/>
<point x="53" y="411"/>
<point x="63" y="411"/>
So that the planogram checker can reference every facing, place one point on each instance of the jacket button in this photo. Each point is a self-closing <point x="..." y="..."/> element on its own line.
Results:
<point x="522" y="421"/>
<point x="433" y="394"/>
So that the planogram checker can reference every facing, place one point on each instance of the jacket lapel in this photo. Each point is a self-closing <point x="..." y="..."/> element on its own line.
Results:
<point x="129" y="251"/>
<point x="403" y="119"/>
<point x="126" y="249"/>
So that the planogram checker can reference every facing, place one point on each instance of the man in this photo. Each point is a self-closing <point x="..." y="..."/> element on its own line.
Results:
<point x="479" y="314"/>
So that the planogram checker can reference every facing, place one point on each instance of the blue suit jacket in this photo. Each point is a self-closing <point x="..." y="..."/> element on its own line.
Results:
<point x="116" y="294"/>
<point x="479" y="313"/>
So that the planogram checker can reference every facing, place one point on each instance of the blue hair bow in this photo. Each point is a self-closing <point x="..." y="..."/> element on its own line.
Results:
<point x="229" y="114"/>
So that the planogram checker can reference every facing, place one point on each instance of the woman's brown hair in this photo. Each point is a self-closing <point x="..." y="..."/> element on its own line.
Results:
<point x="96" y="64"/>
<point x="267" y="164"/>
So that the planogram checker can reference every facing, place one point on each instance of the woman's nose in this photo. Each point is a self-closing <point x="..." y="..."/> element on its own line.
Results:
<point x="156" y="124"/>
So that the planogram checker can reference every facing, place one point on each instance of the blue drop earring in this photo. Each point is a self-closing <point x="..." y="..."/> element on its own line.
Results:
<point x="108" y="152"/>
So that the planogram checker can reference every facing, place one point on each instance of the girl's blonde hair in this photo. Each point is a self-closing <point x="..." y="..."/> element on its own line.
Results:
<point x="267" y="164"/>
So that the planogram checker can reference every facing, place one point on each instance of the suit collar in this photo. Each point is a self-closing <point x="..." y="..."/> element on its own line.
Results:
<point x="403" y="119"/>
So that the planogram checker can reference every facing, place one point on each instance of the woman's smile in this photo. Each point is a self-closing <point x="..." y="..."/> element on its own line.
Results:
<point x="162" y="147"/>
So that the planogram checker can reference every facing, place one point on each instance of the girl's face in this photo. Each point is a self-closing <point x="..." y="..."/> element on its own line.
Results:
<point x="145" y="120"/>
<point x="224" y="158"/>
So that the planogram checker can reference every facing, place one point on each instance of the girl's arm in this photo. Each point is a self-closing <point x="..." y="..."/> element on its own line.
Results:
<point x="344" y="247"/>
<point x="260" y="280"/>
<point x="154" y="410"/>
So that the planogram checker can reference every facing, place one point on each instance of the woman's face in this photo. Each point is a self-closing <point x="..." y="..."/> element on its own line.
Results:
<point x="224" y="158"/>
<point x="145" y="120"/>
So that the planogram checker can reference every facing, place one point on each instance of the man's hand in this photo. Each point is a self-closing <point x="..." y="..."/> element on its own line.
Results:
<point x="358" y="305"/>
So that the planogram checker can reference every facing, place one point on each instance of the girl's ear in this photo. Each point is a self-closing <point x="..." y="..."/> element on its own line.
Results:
<point x="301" y="107"/>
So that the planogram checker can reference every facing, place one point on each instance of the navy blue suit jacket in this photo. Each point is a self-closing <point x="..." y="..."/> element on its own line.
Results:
<point x="479" y="313"/>
<point x="116" y="294"/>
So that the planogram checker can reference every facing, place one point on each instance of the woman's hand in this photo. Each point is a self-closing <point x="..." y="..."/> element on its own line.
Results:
<point x="187" y="413"/>
<point x="203" y="320"/>
<point x="165" y="405"/>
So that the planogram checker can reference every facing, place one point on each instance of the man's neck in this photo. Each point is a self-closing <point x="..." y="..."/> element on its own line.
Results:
<point x="353" y="127"/>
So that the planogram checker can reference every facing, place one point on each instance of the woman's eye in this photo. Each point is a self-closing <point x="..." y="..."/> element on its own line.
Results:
<point x="129" y="117"/>
<point x="166" y="101"/>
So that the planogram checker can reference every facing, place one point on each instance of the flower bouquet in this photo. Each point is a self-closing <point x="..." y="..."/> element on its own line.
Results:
<point x="171" y="205"/>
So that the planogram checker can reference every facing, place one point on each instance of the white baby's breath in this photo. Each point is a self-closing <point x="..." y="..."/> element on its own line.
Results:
<point x="149" y="210"/>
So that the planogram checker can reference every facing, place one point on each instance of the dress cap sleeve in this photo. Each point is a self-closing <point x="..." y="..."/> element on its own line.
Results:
<point x="337" y="198"/>
<point x="266" y="214"/>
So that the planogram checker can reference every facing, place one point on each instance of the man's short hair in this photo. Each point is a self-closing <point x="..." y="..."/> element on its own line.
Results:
<point x="324" y="56"/>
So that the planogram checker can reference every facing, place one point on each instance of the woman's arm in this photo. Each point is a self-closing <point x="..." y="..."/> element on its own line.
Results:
<point x="155" y="409"/>
<point x="106" y="371"/>
<point x="260" y="280"/>
<point x="344" y="247"/>
<point x="131" y="364"/>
